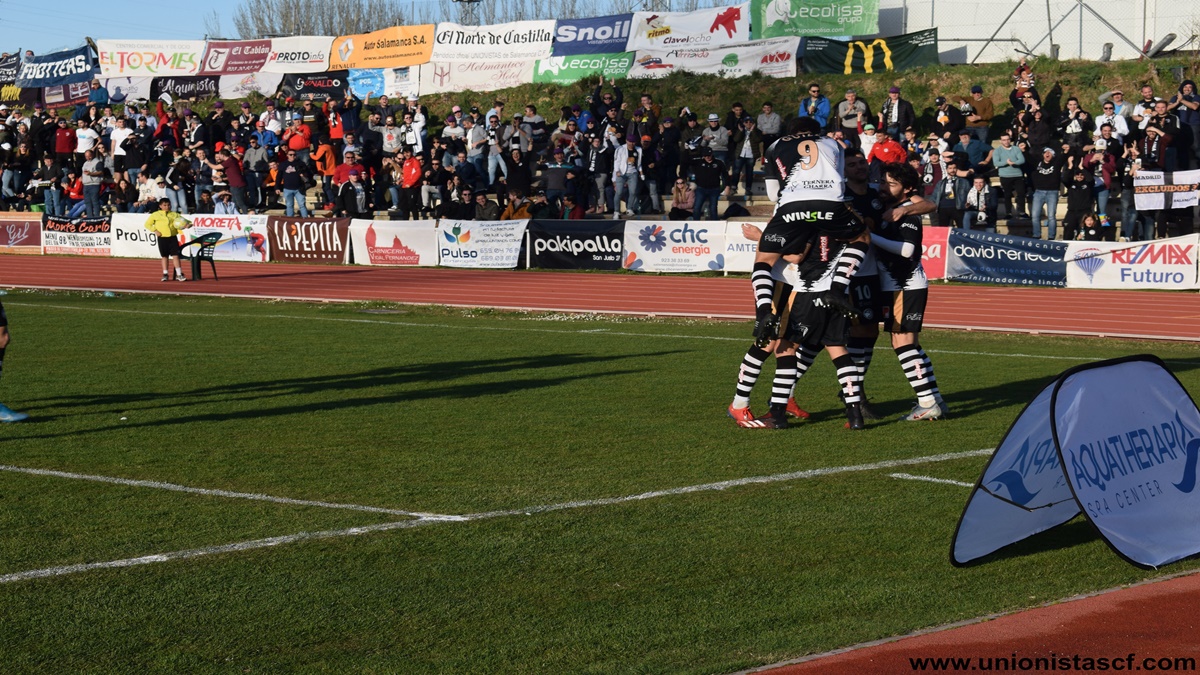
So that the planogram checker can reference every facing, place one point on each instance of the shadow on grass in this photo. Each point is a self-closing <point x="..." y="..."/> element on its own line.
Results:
<point x="1068" y="535"/>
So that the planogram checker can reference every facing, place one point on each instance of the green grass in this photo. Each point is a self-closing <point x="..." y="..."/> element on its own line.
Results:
<point x="461" y="412"/>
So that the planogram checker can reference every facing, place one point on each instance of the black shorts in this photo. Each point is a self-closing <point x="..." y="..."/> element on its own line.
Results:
<point x="168" y="246"/>
<point x="3" y="317"/>
<point x="815" y="326"/>
<point x="118" y="163"/>
<point x="797" y="223"/>
<point x="867" y="299"/>
<point x="906" y="311"/>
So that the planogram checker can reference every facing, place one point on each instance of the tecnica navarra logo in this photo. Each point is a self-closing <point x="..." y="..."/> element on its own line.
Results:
<point x="652" y="238"/>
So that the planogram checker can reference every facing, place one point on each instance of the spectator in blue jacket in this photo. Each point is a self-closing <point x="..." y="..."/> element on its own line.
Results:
<point x="815" y="106"/>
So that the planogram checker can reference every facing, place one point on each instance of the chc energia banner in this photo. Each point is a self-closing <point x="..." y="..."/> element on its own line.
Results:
<point x="773" y="18"/>
<point x="150" y="58"/>
<point x="394" y="243"/>
<point x="571" y="69"/>
<point x="674" y="246"/>
<point x="597" y="35"/>
<point x="1164" y="264"/>
<point x="393" y="47"/>
<point x="494" y="244"/>
<point x="773" y="58"/>
<point x="714" y="27"/>
<point x="1003" y="259"/>
<point x="489" y="75"/>
<point x="1155" y="190"/>
<point x="509" y="41"/>
<point x="59" y="68"/>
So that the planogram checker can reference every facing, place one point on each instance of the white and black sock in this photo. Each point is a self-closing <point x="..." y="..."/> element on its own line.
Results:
<point x="850" y="379"/>
<point x="764" y="285"/>
<point x="919" y="371"/>
<point x="847" y="264"/>
<point x="748" y="374"/>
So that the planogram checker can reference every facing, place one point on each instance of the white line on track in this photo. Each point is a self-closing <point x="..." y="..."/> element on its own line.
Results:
<point x="405" y="524"/>
<point x="931" y="479"/>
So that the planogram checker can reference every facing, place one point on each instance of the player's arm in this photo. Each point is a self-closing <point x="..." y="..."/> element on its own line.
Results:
<point x="904" y="249"/>
<point x="919" y="206"/>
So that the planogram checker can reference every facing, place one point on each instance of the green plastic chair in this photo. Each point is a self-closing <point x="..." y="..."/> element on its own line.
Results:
<point x="206" y="244"/>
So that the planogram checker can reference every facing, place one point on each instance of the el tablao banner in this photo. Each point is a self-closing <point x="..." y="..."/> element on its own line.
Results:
<point x="475" y="75"/>
<point x="1165" y="264"/>
<point x="21" y="233"/>
<point x="575" y="244"/>
<point x="234" y="57"/>
<point x="599" y="35"/>
<point x="180" y="88"/>
<point x="674" y="246"/>
<point x="871" y="55"/>
<point x="152" y="58"/>
<point x="131" y="239"/>
<point x="494" y="244"/>
<point x="571" y="69"/>
<point x="387" y="48"/>
<point x="773" y="18"/>
<point x="714" y="27"/>
<point x="509" y="41"/>
<point x="773" y="58"/>
<point x="243" y="238"/>
<point x="394" y="243"/>
<point x="320" y="85"/>
<point x="59" y="68"/>
<point x="82" y="236"/>
<point x="310" y="240"/>
<point x="298" y="55"/>
<point x="1003" y="259"/>
<point x="1155" y="190"/>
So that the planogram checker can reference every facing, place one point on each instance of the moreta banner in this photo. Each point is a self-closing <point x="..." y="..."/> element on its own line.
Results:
<point x="509" y="41"/>
<point x="311" y="240"/>
<point x="702" y="28"/>
<point x="1155" y="190"/>
<point x="153" y="58"/>
<point x="571" y="69"/>
<point x="1003" y="259"/>
<point x="575" y="244"/>
<point x="235" y="57"/>
<point x="393" y="47"/>
<point x="494" y="244"/>
<point x="1165" y="264"/>
<point x="871" y="55"/>
<point x="298" y="55"/>
<point x="674" y="246"/>
<point x="243" y="237"/>
<point x="775" y="18"/>
<point x="394" y="243"/>
<point x="59" y="68"/>
<point x="599" y="35"/>
<point x="773" y="58"/>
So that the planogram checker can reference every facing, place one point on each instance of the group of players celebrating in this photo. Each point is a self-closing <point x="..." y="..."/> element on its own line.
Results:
<point x="836" y="259"/>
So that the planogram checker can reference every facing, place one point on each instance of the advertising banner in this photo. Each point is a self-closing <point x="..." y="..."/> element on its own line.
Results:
<point x="65" y="95"/>
<point x="234" y="57"/>
<point x="773" y="18"/>
<point x="599" y="35"/>
<point x="571" y="69"/>
<point x="298" y="55"/>
<point x="10" y="93"/>
<point x="402" y="81"/>
<point x="871" y="55"/>
<point x="739" y="251"/>
<point x="773" y="58"/>
<point x="319" y="85"/>
<point x="1003" y="259"/>
<point x="395" y="242"/>
<point x="494" y="244"/>
<point x="575" y="244"/>
<point x="934" y="250"/>
<point x="127" y="89"/>
<point x="131" y="239"/>
<point x="310" y="240"/>
<point x="59" y="68"/>
<point x="21" y="233"/>
<point x="180" y="88"/>
<point x="241" y="86"/>
<point x="387" y="48"/>
<point x="243" y="238"/>
<point x="1155" y="190"/>
<point x="713" y="27"/>
<point x="364" y="81"/>
<point x="150" y="58"/>
<point x="1165" y="264"/>
<point x="674" y="246"/>
<point x="475" y="75"/>
<point x="509" y="41"/>
<point x="9" y="67"/>
<point x="82" y="236"/>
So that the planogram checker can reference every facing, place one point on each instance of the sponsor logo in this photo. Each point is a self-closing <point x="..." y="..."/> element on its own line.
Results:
<point x="396" y="254"/>
<point x="1028" y="463"/>
<point x="775" y="238"/>
<point x="1090" y="261"/>
<point x="1123" y="454"/>
<point x="216" y="59"/>
<point x="807" y="216"/>
<point x="868" y="51"/>
<point x="315" y="240"/>
<point x="651" y="63"/>
<point x="730" y="60"/>
<point x="606" y="33"/>
<point x="727" y="20"/>
<point x="652" y="238"/>
<point x="994" y="253"/>
<point x="1188" y="482"/>
<point x="346" y="50"/>
<point x="842" y="13"/>
<point x="560" y="244"/>
<point x="915" y="316"/>
<point x="440" y="74"/>
<point x="296" y="58"/>
<point x="776" y="57"/>
<point x="18" y="233"/>
<point x="457" y="235"/>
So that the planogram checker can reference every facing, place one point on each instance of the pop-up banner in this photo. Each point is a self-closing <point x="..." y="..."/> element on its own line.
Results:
<point x="1004" y="259"/>
<point x="131" y="239"/>
<point x="402" y="243"/>
<point x="309" y="240"/>
<point x="494" y="244"/>
<point x="243" y="238"/>
<point x="21" y="233"/>
<point x="1165" y="264"/>
<point x="674" y="246"/>
<point x="575" y="244"/>
<point x="82" y="236"/>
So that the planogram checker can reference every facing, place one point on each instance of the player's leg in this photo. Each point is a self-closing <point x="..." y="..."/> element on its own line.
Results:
<point x="864" y="331"/>
<point x="6" y="415"/>
<point x="751" y="368"/>
<point x="786" y="374"/>
<point x="904" y="323"/>
<point x="805" y="355"/>
<point x="851" y="382"/>
<point x="846" y="226"/>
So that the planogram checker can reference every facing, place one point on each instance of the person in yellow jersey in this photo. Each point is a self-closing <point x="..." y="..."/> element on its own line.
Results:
<point x="166" y="225"/>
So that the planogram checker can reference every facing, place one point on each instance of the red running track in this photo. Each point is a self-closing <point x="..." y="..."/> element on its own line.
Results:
<point x="1133" y="314"/>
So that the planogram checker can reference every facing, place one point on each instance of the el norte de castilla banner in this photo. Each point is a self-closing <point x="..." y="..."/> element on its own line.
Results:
<point x="871" y="55"/>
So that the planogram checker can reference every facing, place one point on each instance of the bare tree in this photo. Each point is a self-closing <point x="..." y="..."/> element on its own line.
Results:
<point x="212" y="25"/>
<point x="261" y="18"/>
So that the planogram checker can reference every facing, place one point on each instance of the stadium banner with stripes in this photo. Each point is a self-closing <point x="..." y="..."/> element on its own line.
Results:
<point x="298" y="55"/>
<point x="394" y="243"/>
<point x="773" y="58"/>
<point x="597" y="35"/>
<point x="234" y="57"/>
<point x="674" y="246"/>
<point x="483" y="244"/>
<point x="773" y="18"/>
<point x="1003" y="259"/>
<point x="574" y="244"/>
<point x="509" y="41"/>
<point x="308" y="240"/>
<point x="59" y="68"/>
<point x="243" y="237"/>
<point x="150" y="58"/>
<point x="739" y="251"/>
<point x="934" y="246"/>
<point x="1155" y="190"/>
<point x="451" y="76"/>
<point x="82" y="236"/>
<point x="870" y="55"/>
<point x="131" y="239"/>
<point x="714" y="27"/>
<point x="1164" y="264"/>
<point x="21" y="233"/>
<point x="571" y="69"/>
<point x="393" y="47"/>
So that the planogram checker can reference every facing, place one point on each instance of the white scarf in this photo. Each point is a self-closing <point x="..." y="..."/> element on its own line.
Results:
<point x="977" y="199"/>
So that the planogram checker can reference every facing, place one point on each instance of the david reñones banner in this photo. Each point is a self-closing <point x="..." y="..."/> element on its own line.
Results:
<point x="1003" y="259"/>
<point x="599" y="35"/>
<point x="871" y="55"/>
<point x="702" y="28"/>
<point x="59" y="68"/>
<point x="774" y="18"/>
<point x="1165" y="264"/>
<point x="393" y="47"/>
<point x="1155" y="190"/>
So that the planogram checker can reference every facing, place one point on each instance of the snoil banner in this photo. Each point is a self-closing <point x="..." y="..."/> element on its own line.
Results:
<point x="571" y="69"/>
<point x="773" y="58"/>
<point x="871" y="55"/>
<point x="599" y="35"/>
<point x="1003" y="259"/>
<point x="60" y="68"/>
<point x="234" y="57"/>
<point x="298" y="55"/>
<point x="387" y="48"/>
<point x="311" y="240"/>
<point x="131" y="239"/>
<point x="575" y="244"/>
<point x="702" y="28"/>
<point x="508" y="41"/>
<point x="394" y="243"/>
<point x="243" y="237"/>
<point x="484" y="75"/>
<point x="1155" y="190"/>
<point x="494" y="244"/>
<point x="152" y="58"/>
<point x="674" y="246"/>
<point x="1165" y="264"/>
<point x="773" y="18"/>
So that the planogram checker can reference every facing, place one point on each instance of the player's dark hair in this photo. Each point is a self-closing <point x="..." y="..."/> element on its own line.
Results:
<point x="903" y="174"/>
<point x="803" y="125"/>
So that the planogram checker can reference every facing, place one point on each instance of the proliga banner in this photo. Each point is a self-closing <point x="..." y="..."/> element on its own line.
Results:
<point x="298" y="55"/>
<point x="392" y="47"/>
<point x="1165" y="264"/>
<point x="575" y="244"/>
<point x="243" y="238"/>
<point x="394" y="243"/>
<point x="131" y="239"/>
<point x="871" y="55"/>
<point x="1154" y="190"/>
<point x="773" y="58"/>
<point x="508" y="41"/>
<point x="150" y="58"/>
<point x="571" y="69"/>
<point x="82" y="236"/>
<point x="714" y="27"/>
<point x="598" y="35"/>
<point x="494" y="244"/>
<point x="59" y="68"/>
<point x="475" y="75"/>
<point x="1003" y="259"/>
<point x="674" y="246"/>
<point x="773" y="18"/>
<point x="310" y="240"/>
<point x="21" y="233"/>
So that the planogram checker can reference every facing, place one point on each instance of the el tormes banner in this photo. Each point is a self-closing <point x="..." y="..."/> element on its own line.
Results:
<point x="871" y="55"/>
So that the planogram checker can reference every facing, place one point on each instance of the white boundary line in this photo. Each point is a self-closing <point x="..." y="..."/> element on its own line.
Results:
<point x="931" y="479"/>
<point x="406" y="524"/>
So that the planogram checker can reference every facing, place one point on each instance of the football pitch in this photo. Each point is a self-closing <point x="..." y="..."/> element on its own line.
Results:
<point x="217" y="485"/>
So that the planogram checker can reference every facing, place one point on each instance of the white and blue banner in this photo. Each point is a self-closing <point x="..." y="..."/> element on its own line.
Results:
<point x="1003" y="259"/>
<point x="49" y="70"/>
<point x="599" y="35"/>
<point x="1164" y="264"/>
<point x="674" y="246"/>
<point x="481" y="244"/>
<point x="365" y="81"/>
<point x="739" y="251"/>
<point x="131" y="239"/>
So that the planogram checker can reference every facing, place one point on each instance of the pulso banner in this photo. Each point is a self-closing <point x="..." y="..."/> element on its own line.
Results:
<point x="714" y="27"/>
<point x="21" y="233"/>
<point x="773" y="58"/>
<point x="494" y="244"/>
<point x="127" y="89"/>
<point x="200" y="86"/>
<point x="320" y="85"/>
<point x="571" y="69"/>
<point x="508" y="41"/>
<point x="241" y="86"/>
<point x="298" y="55"/>
<point x="59" y="68"/>
<point x="319" y="240"/>
<point x="575" y="244"/>
<point x="484" y="75"/>
<point x="934" y="249"/>
<point x="773" y="18"/>
<point x="243" y="238"/>
<point x="1164" y="264"/>
<point x="599" y="35"/>
<point x="870" y="55"/>
<point x="674" y="246"/>
<point x="1003" y="259"/>
<point x="1155" y="190"/>
<point x="739" y="251"/>
<point x="153" y="58"/>
<point x="387" y="48"/>
<point x="82" y="236"/>
<point x="234" y="57"/>
<point x="131" y="239"/>
<point x="398" y="243"/>
<point x="65" y="96"/>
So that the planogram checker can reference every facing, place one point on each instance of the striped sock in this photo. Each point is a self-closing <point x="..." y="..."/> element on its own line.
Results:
<point x="919" y="371"/>
<point x="928" y="365"/>
<point x="785" y="379"/>
<point x="748" y="374"/>
<point x="805" y="356"/>
<point x="861" y="350"/>
<point x="764" y="285"/>
<point x="847" y="264"/>
<point x="849" y="378"/>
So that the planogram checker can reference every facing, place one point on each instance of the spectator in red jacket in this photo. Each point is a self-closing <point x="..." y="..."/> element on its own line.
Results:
<point x="886" y="149"/>
<point x="64" y="143"/>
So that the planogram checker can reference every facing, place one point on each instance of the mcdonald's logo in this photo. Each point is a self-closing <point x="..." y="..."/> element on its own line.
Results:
<point x="868" y="51"/>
